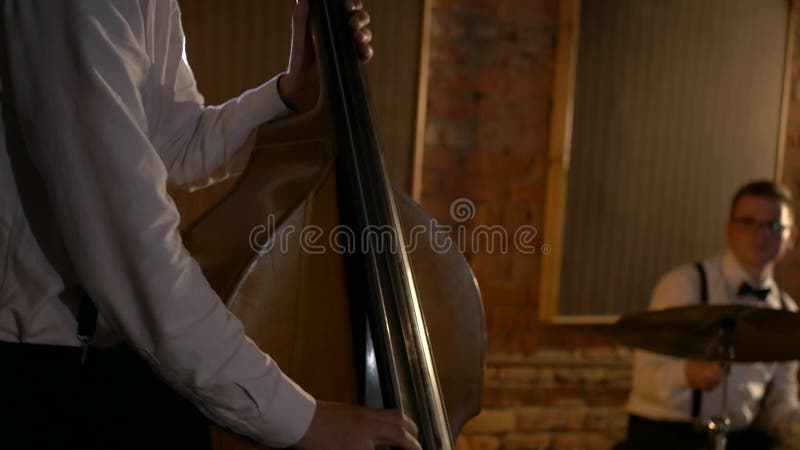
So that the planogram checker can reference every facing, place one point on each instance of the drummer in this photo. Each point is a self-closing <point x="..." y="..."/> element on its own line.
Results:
<point x="670" y="396"/>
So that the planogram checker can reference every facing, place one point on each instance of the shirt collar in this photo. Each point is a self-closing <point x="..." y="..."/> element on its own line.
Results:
<point x="735" y="275"/>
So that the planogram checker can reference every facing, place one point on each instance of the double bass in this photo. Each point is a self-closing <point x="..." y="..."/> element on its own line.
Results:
<point x="346" y="283"/>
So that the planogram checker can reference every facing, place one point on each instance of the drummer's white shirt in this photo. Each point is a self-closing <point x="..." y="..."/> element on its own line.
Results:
<point x="761" y="393"/>
<point x="108" y="114"/>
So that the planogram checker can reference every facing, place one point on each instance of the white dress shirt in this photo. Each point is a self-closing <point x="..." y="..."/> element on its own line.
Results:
<point x="764" y="393"/>
<point x="100" y="112"/>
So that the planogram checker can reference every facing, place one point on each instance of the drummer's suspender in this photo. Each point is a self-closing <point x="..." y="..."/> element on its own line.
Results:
<point x="697" y="394"/>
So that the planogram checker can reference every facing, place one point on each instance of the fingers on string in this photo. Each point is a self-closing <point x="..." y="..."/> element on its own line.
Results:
<point x="353" y="5"/>
<point x="398" y="429"/>
<point x="359" y="19"/>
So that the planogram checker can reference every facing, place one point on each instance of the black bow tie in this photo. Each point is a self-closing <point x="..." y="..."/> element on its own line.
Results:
<point x="746" y="289"/>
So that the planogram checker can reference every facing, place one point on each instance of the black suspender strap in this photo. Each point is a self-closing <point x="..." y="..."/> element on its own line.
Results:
<point x="703" y="283"/>
<point x="87" y="324"/>
<point x="697" y="394"/>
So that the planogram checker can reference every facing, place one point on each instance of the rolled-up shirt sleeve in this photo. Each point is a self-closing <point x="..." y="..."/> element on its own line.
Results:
<point x="87" y="132"/>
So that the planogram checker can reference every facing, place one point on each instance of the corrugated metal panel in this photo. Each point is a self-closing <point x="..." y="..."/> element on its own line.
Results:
<point x="677" y="103"/>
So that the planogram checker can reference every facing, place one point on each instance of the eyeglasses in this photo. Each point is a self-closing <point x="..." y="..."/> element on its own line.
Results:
<point x="753" y="225"/>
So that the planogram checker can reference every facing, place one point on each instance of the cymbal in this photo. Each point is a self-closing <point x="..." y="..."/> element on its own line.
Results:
<point x="697" y="332"/>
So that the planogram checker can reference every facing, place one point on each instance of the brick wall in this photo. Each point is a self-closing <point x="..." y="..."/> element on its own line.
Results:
<point x="491" y="75"/>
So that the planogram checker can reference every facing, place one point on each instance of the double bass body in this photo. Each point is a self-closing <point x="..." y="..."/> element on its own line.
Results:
<point x="277" y="249"/>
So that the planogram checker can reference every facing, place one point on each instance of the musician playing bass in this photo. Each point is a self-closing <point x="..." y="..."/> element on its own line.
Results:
<point x="100" y="113"/>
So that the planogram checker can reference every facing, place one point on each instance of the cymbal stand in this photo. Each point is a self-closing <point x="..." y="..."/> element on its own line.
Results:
<point x="718" y="427"/>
